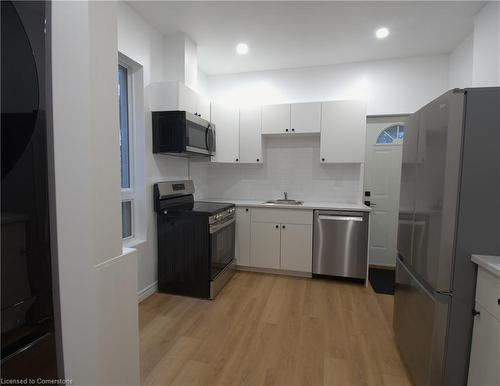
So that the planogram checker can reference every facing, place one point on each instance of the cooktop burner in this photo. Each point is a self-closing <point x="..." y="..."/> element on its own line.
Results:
<point x="211" y="207"/>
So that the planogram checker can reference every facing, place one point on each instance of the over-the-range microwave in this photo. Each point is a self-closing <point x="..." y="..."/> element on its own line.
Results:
<point x="182" y="134"/>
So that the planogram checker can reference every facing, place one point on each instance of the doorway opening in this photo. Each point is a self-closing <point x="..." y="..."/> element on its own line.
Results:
<point x="384" y="139"/>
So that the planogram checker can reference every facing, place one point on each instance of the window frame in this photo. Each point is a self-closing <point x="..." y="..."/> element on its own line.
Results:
<point x="128" y="194"/>
<point x="395" y="141"/>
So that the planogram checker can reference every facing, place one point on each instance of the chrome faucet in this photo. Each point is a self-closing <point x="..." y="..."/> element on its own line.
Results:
<point x="285" y="194"/>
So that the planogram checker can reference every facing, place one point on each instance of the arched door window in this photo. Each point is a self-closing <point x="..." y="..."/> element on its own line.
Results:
<point x="391" y="135"/>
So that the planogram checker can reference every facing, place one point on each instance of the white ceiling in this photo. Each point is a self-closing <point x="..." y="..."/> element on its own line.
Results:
<point x="296" y="34"/>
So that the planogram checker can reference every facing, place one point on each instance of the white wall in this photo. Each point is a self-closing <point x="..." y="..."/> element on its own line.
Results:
<point x="291" y="165"/>
<point x="395" y="86"/>
<point x="460" y="64"/>
<point x="99" y="320"/>
<point x="486" y="61"/>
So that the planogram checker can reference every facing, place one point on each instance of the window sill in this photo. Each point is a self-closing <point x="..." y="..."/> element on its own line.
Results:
<point x="133" y="243"/>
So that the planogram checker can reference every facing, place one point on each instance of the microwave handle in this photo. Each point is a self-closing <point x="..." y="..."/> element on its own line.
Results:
<point x="211" y="147"/>
<point x="212" y="140"/>
<point x="207" y="130"/>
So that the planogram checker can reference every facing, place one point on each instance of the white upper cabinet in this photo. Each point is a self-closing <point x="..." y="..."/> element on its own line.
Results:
<point x="305" y="117"/>
<point x="250" y="135"/>
<point x="276" y="119"/>
<point x="343" y="132"/>
<point x="226" y="120"/>
<point x="167" y="96"/>
<point x="203" y="107"/>
<point x="290" y="119"/>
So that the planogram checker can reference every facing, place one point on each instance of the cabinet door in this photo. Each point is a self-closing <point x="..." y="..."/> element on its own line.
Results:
<point x="187" y="99"/>
<point x="485" y="350"/>
<point x="343" y="132"/>
<point x="265" y="245"/>
<point x="243" y="236"/>
<point x="203" y="107"/>
<point x="226" y="120"/>
<point x="296" y="247"/>
<point x="305" y="117"/>
<point x="275" y="119"/>
<point x="250" y="135"/>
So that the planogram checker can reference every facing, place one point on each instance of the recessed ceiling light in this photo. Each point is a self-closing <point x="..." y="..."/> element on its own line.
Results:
<point x="382" y="33"/>
<point x="242" y="48"/>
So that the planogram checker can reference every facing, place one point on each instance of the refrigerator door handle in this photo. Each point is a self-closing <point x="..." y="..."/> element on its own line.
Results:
<point x="441" y="297"/>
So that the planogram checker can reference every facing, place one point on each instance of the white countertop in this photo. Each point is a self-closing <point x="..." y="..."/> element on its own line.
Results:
<point x="306" y="205"/>
<point x="489" y="263"/>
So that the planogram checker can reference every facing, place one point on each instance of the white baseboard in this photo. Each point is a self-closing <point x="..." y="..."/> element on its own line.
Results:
<point x="273" y="271"/>
<point x="147" y="292"/>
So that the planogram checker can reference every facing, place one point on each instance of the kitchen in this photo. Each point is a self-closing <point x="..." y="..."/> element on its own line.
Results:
<point x="304" y="137"/>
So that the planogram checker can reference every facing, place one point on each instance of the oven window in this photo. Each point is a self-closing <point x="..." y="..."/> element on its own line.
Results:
<point x="222" y="249"/>
<point x="196" y="135"/>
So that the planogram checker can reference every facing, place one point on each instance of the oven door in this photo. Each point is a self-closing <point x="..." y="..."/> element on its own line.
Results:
<point x="222" y="246"/>
<point x="200" y="135"/>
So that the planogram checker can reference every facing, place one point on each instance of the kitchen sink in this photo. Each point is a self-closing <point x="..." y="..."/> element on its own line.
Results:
<point x="284" y="202"/>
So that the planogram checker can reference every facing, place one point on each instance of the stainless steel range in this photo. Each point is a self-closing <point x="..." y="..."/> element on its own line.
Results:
<point x="196" y="241"/>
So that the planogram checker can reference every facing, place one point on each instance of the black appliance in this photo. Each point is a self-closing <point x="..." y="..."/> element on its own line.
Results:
<point x="196" y="241"/>
<point x="28" y="334"/>
<point x="182" y="134"/>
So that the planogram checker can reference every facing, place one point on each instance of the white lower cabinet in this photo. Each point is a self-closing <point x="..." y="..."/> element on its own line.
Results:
<point x="278" y="239"/>
<point x="243" y="236"/>
<point x="296" y="247"/>
<point x="484" y="367"/>
<point x="265" y="245"/>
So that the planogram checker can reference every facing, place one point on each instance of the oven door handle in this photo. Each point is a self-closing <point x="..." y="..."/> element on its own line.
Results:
<point x="217" y="227"/>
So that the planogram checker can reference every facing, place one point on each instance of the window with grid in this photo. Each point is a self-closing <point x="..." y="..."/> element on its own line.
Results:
<point x="391" y="135"/>
<point x="125" y="155"/>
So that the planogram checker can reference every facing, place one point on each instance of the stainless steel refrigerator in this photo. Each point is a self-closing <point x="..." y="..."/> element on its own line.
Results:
<point x="449" y="209"/>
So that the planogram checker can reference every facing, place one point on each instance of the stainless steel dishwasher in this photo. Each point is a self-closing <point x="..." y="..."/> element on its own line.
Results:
<point x="340" y="243"/>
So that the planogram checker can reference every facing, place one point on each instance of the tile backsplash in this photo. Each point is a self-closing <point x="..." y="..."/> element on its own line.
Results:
<point x="291" y="164"/>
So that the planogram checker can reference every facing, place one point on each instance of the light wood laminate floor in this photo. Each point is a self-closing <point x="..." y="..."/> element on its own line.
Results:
<point x="271" y="330"/>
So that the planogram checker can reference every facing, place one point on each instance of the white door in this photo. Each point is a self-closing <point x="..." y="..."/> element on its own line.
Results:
<point x="382" y="181"/>
<point x="296" y="247"/>
<point x="227" y="143"/>
<point x="305" y="117"/>
<point x="276" y="119"/>
<point x="265" y="245"/>
<point x="250" y="135"/>
<point x="343" y="132"/>
<point x="243" y="236"/>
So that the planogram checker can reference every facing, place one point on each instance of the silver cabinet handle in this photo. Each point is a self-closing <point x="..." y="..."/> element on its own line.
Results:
<point x="339" y="218"/>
